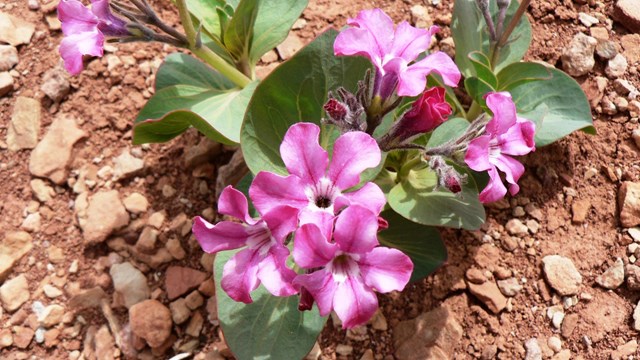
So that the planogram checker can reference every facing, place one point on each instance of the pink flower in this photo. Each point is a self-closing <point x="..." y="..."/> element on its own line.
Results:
<point x="263" y="260"/>
<point x="351" y="266"/>
<point x="84" y="30"/>
<point x="392" y="51"/>
<point x="317" y="188"/>
<point x="506" y="134"/>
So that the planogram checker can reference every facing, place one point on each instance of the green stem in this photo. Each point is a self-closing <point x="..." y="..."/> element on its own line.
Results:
<point x="408" y="166"/>
<point x="504" y="37"/>
<point x="474" y="111"/>
<point x="205" y="53"/>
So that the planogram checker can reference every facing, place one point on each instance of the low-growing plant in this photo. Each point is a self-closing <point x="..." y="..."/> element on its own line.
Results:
<point x="358" y="146"/>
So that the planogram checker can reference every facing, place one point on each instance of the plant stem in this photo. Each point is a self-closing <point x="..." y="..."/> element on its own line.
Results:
<point x="408" y="166"/>
<point x="504" y="37"/>
<point x="474" y="111"/>
<point x="205" y="53"/>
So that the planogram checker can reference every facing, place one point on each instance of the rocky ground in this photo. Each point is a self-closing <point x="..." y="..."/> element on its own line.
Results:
<point x="97" y="259"/>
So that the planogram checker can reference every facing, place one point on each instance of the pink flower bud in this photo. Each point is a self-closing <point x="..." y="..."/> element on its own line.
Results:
<point x="336" y="110"/>
<point x="428" y="112"/>
<point x="451" y="180"/>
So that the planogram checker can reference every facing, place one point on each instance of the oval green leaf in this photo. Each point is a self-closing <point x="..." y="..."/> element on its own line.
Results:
<point x="269" y="328"/>
<point x="416" y="199"/>
<point x="421" y="243"/>
<point x="559" y="101"/>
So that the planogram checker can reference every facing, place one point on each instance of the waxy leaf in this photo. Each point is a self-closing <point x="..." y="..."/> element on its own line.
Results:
<point x="416" y="198"/>
<point x="448" y="130"/>
<point x="269" y="328"/>
<point x="239" y="31"/>
<point x="421" y="243"/>
<point x="482" y="66"/>
<point x="559" y="102"/>
<point x="189" y="93"/>
<point x="521" y="73"/>
<point x="205" y="11"/>
<point x="294" y="92"/>
<point x="275" y="19"/>
<point x="470" y="34"/>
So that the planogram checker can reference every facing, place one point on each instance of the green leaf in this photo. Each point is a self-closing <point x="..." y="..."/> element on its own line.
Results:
<point x="421" y="243"/>
<point x="275" y="19"/>
<point x="448" y="130"/>
<point x="416" y="199"/>
<point x="477" y="88"/>
<point x="294" y="92"/>
<point x="269" y="328"/>
<point x="239" y="32"/>
<point x="482" y="66"/>
<point x="189" y="93"/>
<point x="205" y="11"/>
<point x="520" y="73"/>
<point x="559" y="101"/>
<point x="470" y="34"/>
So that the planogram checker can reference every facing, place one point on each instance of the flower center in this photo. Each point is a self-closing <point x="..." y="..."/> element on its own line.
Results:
<point x="259" y="238"/>
<point x="494" y="149"/>
<point x="344" y="266"/>
<point x="322" y="195"/>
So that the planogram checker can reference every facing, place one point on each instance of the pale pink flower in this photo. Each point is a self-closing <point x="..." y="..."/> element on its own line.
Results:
<point x="392" y="52"/>
<point x="351" y="266"/>
<point x="316" y="187"/>
<point x="264" y="258"/>
<point x="506" y="134"/>
<point x="84" y="30"/>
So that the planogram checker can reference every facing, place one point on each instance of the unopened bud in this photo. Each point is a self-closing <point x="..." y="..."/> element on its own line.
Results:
<point x="336" y="110"/>
<point x="306" y="300"/>
<point x="448" y="176"/>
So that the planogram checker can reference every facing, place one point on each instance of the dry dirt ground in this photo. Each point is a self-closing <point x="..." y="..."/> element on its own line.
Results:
<point x="567" y="206"/>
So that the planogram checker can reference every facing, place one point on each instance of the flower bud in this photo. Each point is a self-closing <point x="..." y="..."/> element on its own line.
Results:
<point x="426" y="114"/>
<point x="336" y="110"/>
<point x="306" y="300"/>
<point x="448" y="176"/>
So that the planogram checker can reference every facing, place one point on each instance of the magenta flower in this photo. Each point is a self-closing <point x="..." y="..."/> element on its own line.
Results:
<point x="84" y="30"/>
<point x="263" y="260"/>
<point x="352" y="266"/>
<point x="317" y="188"/>
<point x="506" y="134"/>
<point x="392" y="52"/>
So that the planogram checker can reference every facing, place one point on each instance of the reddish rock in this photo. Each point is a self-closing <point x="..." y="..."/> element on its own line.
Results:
<point x="489" y="294"/>
<point x="23" y="336"/>
<point x="580" y="210"/>
<point x="432" y="335"/>
<point x="151" y="321"/>
<point x="180" y="279"/>
<point x="629" y="203"/>
<point x="627" y="12"/>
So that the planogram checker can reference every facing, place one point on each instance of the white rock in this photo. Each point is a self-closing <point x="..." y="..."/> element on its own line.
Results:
<point x="14" y="30"/>
<point x="55" y="83"/>
<point x="6" y="83"/>
<point x="126" y="165"/>
<point x="8" y="57"/>
<point x="587" y="20"/>
<point x="14" y="293"/>
<point x="616" y="67"/>
<point x="613" y="277"/>
<point x="577" y="58"/>
<point x="554" y="344"/>
<point x="130" y="283"/>
<point x="561" y="274"/>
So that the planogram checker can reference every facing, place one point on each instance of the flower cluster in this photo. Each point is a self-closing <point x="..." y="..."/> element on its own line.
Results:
<point x="334" y="229"/>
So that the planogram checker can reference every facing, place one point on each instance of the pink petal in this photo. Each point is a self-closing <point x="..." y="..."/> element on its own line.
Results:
<point x="358" y="42"/>
<point x="504" y="112"/>
<point x="302" y="154"/>
<point x="495" y="189"/>
<point x="512" y="170"/>
<point x="477" y="156"/>
<point x="409" y="42"/>
<point x="519" y="139"/>
<point x="73" y="47"/>
<point x="240" y="275"/>
<point x="311" y="248"/>
<point x="275" y="275"/>
<point x="76" y="18"/>
<point x="321" y="286"/>
<point x="356" y="230"/>
<point x="225" y="235"/>
<point x="110" y="25"/>
<point x="269" y="191"/>
<point x="321" y="218"/>
<point x="353" y="152"/>
<point x="354" y="303"/>
<point x="232" y="202"/>
<point x="379" y="25"/>
<point x="385" y="269"/>
<point x="369" y="196"/>
<point x="281" y="221"/>
<point x="413" y="80"/>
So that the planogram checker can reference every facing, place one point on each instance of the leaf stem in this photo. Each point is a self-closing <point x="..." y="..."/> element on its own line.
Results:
<point x="204" y="52"/>
<point x="504" y="37"/>
<point x="474" y="111"/>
